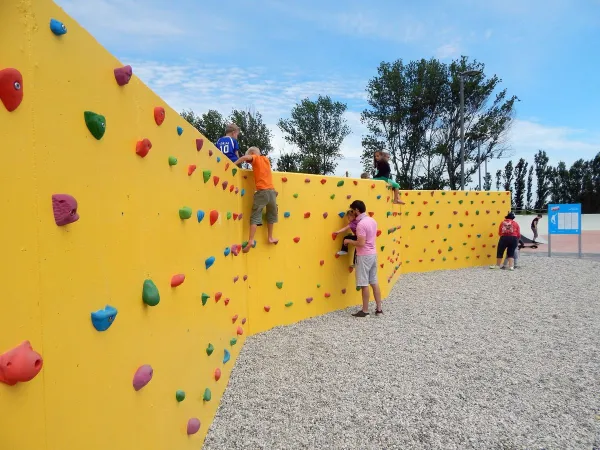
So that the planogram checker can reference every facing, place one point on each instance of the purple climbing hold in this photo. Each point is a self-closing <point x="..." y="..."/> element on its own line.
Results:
<point x="142" y="376"/>
<point x="123" y="75"/>
<point x="193" y="426"/>
<point x="65" y="209"/>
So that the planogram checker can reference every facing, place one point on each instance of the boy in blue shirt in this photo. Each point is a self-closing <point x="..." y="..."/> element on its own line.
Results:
<point x="228" y="144"/>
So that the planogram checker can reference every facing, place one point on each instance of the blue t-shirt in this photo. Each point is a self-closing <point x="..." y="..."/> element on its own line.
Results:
<point x="228" y="147"/>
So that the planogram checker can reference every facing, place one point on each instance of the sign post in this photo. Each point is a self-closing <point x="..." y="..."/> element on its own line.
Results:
<point x="564" y="219"/>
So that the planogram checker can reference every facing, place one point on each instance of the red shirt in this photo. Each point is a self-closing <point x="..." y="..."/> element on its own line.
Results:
<point x="509" y="227"/>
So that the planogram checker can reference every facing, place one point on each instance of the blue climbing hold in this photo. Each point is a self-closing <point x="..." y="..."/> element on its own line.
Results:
<point x="227" y="251"/>
<point x="379" y="197"/>
<point x="342" y="214"/>
<point x="209" y="262"/>
<point x="286" y="214"/>
<point x="242" y="192"/>
<point x="218" y="159"/>
<point x="226" y="357"/>
<point x="103" y="318"/>
<point x="200" y="215"/>
<point x="179" y="131"/>
<point x="57" y="27"/>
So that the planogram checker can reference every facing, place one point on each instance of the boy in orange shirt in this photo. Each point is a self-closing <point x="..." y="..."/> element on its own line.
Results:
<point x="265" y="195"/>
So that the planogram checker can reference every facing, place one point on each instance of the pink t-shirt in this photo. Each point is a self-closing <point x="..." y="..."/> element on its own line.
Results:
<point x="366" y="227"/>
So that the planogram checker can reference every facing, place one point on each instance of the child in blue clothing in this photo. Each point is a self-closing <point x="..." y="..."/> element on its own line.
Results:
<point x="352" y="223"/>
<point x="228" y="144"/>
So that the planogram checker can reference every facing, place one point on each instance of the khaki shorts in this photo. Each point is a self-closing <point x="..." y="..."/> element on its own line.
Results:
<point x="265" y="198"/>
<point x="366" y="270"/>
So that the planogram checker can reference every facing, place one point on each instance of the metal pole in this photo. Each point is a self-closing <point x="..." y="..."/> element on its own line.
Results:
<point x="462" y="133"/>
<point x="479" y="162"/>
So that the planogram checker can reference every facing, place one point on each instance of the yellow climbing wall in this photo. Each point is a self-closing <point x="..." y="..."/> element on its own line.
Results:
<point x="54" y="277"/>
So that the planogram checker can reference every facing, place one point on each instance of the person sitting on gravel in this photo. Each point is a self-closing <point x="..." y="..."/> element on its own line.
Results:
<point x="510" y="234"/>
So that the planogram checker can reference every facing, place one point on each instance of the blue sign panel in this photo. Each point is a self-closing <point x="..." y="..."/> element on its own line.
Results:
<point x="564" y="219"/>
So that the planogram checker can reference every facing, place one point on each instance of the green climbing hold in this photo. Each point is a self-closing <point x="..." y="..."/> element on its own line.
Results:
<point x="464" y="243"/>
<point x="279" y="284"/>
<point x="150" y="294"/>
<point x="478" y="235"/>
<point x="460" y="225"/>
<point x="449" y="225"/>
<point x="358" y="288"/>
<point x="477" y="212"/>
<point x="468" y="257"/>
<point x="228" y="215"/>
<point x="443" y="193"/>
<point x="412" y="203"/>
<point x="437" y="201"/>
<point x="444" y="258"/>
<point x="288" y="304"/>
<point x="460" y="202"/>
<point x="232" y="341"/>
<point x="185" y="213"/>
<point x="96" y="123"/>
<point x="472" y="202"/>
<point x="388" y="214"/>
<point x="413" y="227"/>
<point x="207" y="395"/>
<point x="493" y="201"/>
<point x="172" y="161"/>
<point x="450" y="249"/>
<point x="332" y="196"/>
<point x="382" y="247"/>
<point x="234" y="171"/>
<point x="431" y="213"/>
<point x="406" y="213"/>
<point x="445" y="239"/>
<point x="180" y="396"/>
<point x="210" y="349"/>
<point x="206" y="175"/>
<point x="205" y="298"/>
<point x="244" y="244"/>
<point x="340" y="183"/>
<point x="318" y="286"/>
<point x="295" y="195"/>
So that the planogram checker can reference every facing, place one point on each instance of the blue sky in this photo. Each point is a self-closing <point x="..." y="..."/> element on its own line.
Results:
<point x="270" y="54"/>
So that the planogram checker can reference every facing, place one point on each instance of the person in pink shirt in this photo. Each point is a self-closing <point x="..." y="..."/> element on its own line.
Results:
<point x="366" y="258"/>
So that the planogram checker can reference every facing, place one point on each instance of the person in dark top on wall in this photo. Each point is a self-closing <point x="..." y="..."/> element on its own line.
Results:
<point x="384" y="173"/>
<point x="534" y="227"/>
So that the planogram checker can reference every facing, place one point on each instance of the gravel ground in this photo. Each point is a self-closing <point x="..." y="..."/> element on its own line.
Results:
<point x="471" y="358"/>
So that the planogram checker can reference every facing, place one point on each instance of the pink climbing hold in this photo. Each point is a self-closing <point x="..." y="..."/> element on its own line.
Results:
<point x="199" y="144"/>
<point x="123" y="75"/>
<point x="348" y="196"/>
<point x="20" y="364"/>
<point x="143" y="147"/>
<point x="159" y="115"/>
<point x="245" y="277"/>
<point x="217" y="374"/>
<point x="236" y="278"/>
<point x="177" y="280"/>
<point x="191" y="169"/>
<point x="142" y="376"/>
<point x="237" y="191"/>
<point x="235" y="250"/>
<point x="309" y="299"/>
<point x="234" y="318"/>
<point x="224" y="184"/>
<point x="240" y="216"/>
<point x="243" y="321"/>
<point x="193" y="426"/>
<point x="218" y="296"/>
<point x="64" y="207"/>
<point x="240" y="331"/>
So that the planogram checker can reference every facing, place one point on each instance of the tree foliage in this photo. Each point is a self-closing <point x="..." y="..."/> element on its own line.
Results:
<point x="498" y="179"/>
<point x="289" y="162"/>
<point x="508" y="176"/>
<point x="211" y="124"/>
<point x="519" y="192"/>
<point x="413" y="114"/>
<point x="317" y="128"/>
<point x="487" y="182"/>
<point x="542" y="174"/>
<point x="253" y="131"/>
<point x="529" y="201"/>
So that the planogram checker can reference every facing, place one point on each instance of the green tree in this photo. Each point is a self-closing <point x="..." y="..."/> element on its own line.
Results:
<point x="317" y="129"/>
<point x="487" y="182"/>
<point x="519" y="192"/>
<point x="498" y="179"/>
<point x="530" y="188"/>
<point x="211" y="124"/>
<point x="508" y="176"/>
<point x="289" y="162"/>
<point x="542" y="174"/>
<point x="253" y="131"/>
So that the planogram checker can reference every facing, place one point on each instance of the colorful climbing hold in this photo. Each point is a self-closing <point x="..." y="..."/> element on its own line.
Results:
<point x="95" y="123"/>
<point x="341" y="214"/>
<point x="309" y="299"/>
<point x="150" y="294"/>
<point x="297" y="239"/>
<point x="179" y="395"/>
<point x="226" y="356"/>
<point x="295" y="195"/>
<point x="204" y="298"/>
<point x="191" y="169"/>
<point x="214" y="216"/>
<point x="232" y="341"/>
<point x="236" y="278"/>
<point x="179" y="131"/>
<point x="323" y="181"/>
<point x="206" y="175"/>
<point x="209" y="262"/>
<point x="142" y="376"/>
<point x="267" y="308"/>
<point x="226" y="251"/>
<point x="199" y="144"/>
<point x="286" y="214"/>
<point x="306" y="215"/>
<point x="332" y="196"/>
<point x="159" y="115"/>
<point x="103" y="318"/>
<point x="217" y="374"/>
<point x="207" y="395"/>
<point x="340" y="183"/>
<point x="325" y="214"/>
<point x="193" y="426"/>
<point x="177" y="280"/>
<point x="234" y="171"/>
<point x="279" y="284"/>
<point x="239" y="331"/>
<point x="64" y="207"/>
<point x="143" y="147"/>
<point x="123" y="75"/>
<point x="57" y="27"/>
<point x="185" y="213"/>
<point x="288" y="304"/>
<point x="172" y="161"/>
<point x="11" y="88"/>
<point x="242" y="192"/>
<point x="218" y="159"/>
<point x="210" y="349"/>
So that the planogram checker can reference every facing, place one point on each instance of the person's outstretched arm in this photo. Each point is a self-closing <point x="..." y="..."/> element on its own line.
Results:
<point x="346" y="228"/>
<point x="245" y="158"/>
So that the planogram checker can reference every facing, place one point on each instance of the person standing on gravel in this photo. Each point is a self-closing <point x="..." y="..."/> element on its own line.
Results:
<point x="510" y="233"/>
<point x="366" y="258"/>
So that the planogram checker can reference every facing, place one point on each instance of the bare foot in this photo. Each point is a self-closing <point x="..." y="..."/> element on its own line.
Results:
<point x="398" y="202"/>
<point x="273" y="241"/>
<point x="247" y="248"/>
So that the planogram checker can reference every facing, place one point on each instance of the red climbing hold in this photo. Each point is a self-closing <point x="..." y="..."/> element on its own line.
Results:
<point x="224" y="184"/>
<point x="323" y="181"/>
<point x="306" y="215"/>
<point x="159" y="116"/>
<point x="191" y="169"/>
<point x="231" y="188"/>
<point x="11" y="88"/>
<point x="419" y="213"/>
<point x="235" y="216"/>
<point x="350" y="269"/>
<point x="218" y="296"/>
<point x="226" y="166"/>
<point x="334" y="236"/>
<point x="226" y="301"/>
<point x="373" y="186"/>
<point x="381" y="265"/>
<point x="284" y="179"/>
<point x="199" y="144"/>
<point x="267" y="308"/>
<point x="123" y="75"/>
<point x="216" y="180"/>
<point x="177" y="280"/>
<point x="355" y="183"/>
<point x="143" y="147"/>
<point x="214" y="216"/>
<point x="327" y="295"/>
<point x="321" y="262"/>
<point x="371" y="213"/>
<point x="425" y="202"/>
<point x="296" y="239"/>
<point x="344" y="291"/>
<point x="378" y="233"/>
<point x="20" y="364"/>
<point x="217" y="374"/>
<point x="234" y="318"/>
<point x="240" y="331"/>
<point x="307" y="180"/>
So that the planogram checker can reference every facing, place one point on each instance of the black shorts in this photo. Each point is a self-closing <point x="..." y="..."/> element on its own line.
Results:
<point x="508" y="244"/>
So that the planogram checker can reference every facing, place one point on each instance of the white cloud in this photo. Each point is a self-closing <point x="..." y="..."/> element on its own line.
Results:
<point x="447" y="51"/>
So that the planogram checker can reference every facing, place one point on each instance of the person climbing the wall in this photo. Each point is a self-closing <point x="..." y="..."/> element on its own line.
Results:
<point x="510" y="234"/>
<point x="366" y="258"/>
<point x="384" y="173"/>
<point x="534" y="227"/>
<point x="228" y="144"/>
<point x="352" y="223"/>
<point x="264" y="196"/>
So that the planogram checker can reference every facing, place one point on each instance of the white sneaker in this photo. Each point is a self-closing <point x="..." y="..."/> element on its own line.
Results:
<point x="494" y="267"/>
<point x="511" y="268"/>
<point x="342" y="253"/>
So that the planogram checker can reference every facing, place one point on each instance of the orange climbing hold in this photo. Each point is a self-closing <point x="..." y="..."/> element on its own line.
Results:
<point x="226" y="166"/>
<point x="378" y="233"/>
<point x="214" y="216"/>
<point x="371" y="213"/>
<point x="284" y="179"/>
<point x="234" y="318"/>
<point x="177" y="280"/>
<point x="323" y="181"/>
<point x="307" y="180"/>
<point x="231" y="188"/>
<point x="321" y="262"/>
<point x="240" y="331"/>
<point x="217" y="374"/>
<point x="216" y="180"/>
<point x="218" y="296"/>
<point x="191" y="169"/>
<point x="373" y="186"/>
<point x="355" y="183"/>
<point x="226" y="301"/>
<point x="143" y="147"/>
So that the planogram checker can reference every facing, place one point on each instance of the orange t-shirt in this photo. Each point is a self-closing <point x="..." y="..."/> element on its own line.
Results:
<point x="262" y="172"/>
